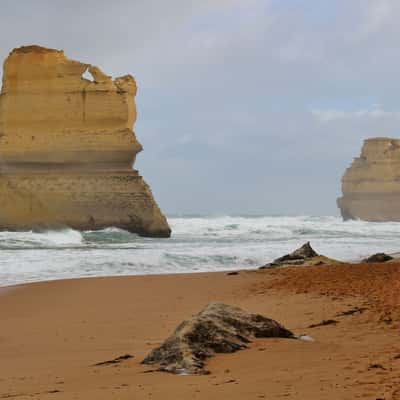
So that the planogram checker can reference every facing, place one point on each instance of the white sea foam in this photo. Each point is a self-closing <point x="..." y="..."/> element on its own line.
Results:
<point x="197" y="244"/>
<point x="31" y="239"/>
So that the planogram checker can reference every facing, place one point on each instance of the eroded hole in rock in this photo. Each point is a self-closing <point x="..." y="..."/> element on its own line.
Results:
<point x="87" y="75"/>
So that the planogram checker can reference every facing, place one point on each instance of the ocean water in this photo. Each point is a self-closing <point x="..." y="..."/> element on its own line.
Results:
<point x="198" y="243"/>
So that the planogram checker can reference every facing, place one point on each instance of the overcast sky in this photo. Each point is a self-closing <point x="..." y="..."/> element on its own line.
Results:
<point x="245" y="106"/>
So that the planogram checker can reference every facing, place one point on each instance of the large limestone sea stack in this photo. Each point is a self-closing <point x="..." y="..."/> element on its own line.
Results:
<point x="67" y="148"/>
<point x="371" y="185"/>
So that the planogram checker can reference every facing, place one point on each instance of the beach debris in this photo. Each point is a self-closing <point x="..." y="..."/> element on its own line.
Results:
<point x="304" y="255"/>
<point x="354" y="310"/>
<point x="324" y="323"/>
<point x="387" y="319"/>
<point x="218" y="328"/>
<point x="376" y="366"/>
<point x="305" y="338"/>
<point x="225" y="382"/>
<point x="233" y="273"/>
<point x="116" y="360"/>
<point x="378" y="258"/>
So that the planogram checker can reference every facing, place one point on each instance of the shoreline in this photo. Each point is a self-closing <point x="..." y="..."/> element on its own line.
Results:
<point x="32" y="283"/>
<point x="359" y="261"/>
<point x="54" y="332"/>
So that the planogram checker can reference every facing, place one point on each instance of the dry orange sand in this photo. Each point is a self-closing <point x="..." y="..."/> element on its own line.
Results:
<point x="379" y="284"/>
<point x="53" y="333"/>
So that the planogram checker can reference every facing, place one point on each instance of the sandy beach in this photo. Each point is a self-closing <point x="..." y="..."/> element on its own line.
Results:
<point x="53" y="334"/>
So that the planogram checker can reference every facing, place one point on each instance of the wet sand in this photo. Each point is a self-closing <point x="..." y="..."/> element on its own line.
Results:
<point x="52" y="334"/>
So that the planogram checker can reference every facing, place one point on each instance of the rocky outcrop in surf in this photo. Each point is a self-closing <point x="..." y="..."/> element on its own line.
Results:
<point x="378" y="258"/>
<point x="219" y="328"/>
<point x="67" y="147"/>
<point x="304" y="255"/>
<point x="371" y="185"/>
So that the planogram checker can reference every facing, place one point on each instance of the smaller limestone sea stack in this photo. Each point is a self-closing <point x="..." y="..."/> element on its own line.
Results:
<point x="219" y="328"/>
<point x="371" y="185"/>
<point x="67" y="148"/>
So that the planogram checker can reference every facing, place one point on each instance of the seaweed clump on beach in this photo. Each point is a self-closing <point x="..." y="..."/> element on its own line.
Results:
<point x="219" y="328"/>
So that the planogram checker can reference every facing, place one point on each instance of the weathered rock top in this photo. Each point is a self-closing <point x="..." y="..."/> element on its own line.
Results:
<point x="49" y="113"/>
<point x="27" y="67"/>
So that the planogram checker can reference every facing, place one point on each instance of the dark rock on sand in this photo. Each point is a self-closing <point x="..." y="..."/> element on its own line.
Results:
<point x="378" y="258"/>
<point x="302" y="253"/>
<point x="305" y="255"/>
<point x="219" y="328"/>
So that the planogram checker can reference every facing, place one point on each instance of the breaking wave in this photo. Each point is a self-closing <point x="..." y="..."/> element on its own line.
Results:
<point x="198" y="243"/>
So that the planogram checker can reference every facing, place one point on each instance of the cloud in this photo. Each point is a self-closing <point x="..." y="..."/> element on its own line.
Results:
<point x="334" y="115"/>
<point x="376" y="16"/>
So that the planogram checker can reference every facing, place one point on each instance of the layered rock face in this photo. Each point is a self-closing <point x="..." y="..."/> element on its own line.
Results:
<point x="371" y="185"/>
<point x="67" y="147"/>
